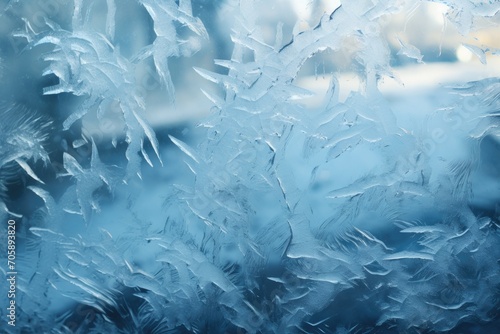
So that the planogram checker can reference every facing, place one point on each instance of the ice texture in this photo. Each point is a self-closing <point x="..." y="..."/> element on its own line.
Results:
<point x="274" y="216"/>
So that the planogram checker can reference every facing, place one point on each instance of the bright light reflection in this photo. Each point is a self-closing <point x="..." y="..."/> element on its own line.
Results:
<point x="463" y="54"/>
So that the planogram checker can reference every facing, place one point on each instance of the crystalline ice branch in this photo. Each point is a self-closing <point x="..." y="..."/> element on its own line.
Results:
<point x="167" y="43"/>
<point x="93" y="68"/>
<point x="23" y="137"/>
<point x="87" y="181"/>
<point x="410" y="51"/>
<point x="259" y="123"/>
<point x="291" y="218"/>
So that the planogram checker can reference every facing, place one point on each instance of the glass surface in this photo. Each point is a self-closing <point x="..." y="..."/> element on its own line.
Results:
<point x="277" y="166"/>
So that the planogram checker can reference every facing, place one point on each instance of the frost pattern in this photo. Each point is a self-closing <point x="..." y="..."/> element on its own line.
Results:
<point x="269" y="233"/>
<point x="294" y="157"/>
<point x="23" y="137"/>
<point x="88" y="64"/>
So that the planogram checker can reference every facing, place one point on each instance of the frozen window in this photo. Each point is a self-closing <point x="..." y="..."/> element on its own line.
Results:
<point x="278" y="166"/>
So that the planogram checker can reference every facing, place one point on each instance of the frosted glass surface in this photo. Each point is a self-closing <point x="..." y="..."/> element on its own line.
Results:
<point x="225" y="166"/>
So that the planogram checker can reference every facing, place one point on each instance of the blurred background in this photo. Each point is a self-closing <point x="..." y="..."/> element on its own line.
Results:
<point x="426" y="50"/>
<point x="428" y="55"/>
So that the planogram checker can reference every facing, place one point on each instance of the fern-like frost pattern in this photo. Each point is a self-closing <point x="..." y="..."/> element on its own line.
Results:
<point x="274" y="216"/>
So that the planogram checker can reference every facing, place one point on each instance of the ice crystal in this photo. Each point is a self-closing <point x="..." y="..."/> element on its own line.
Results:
<point x="272" y="216"/>
<point x="23" y="140"/>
